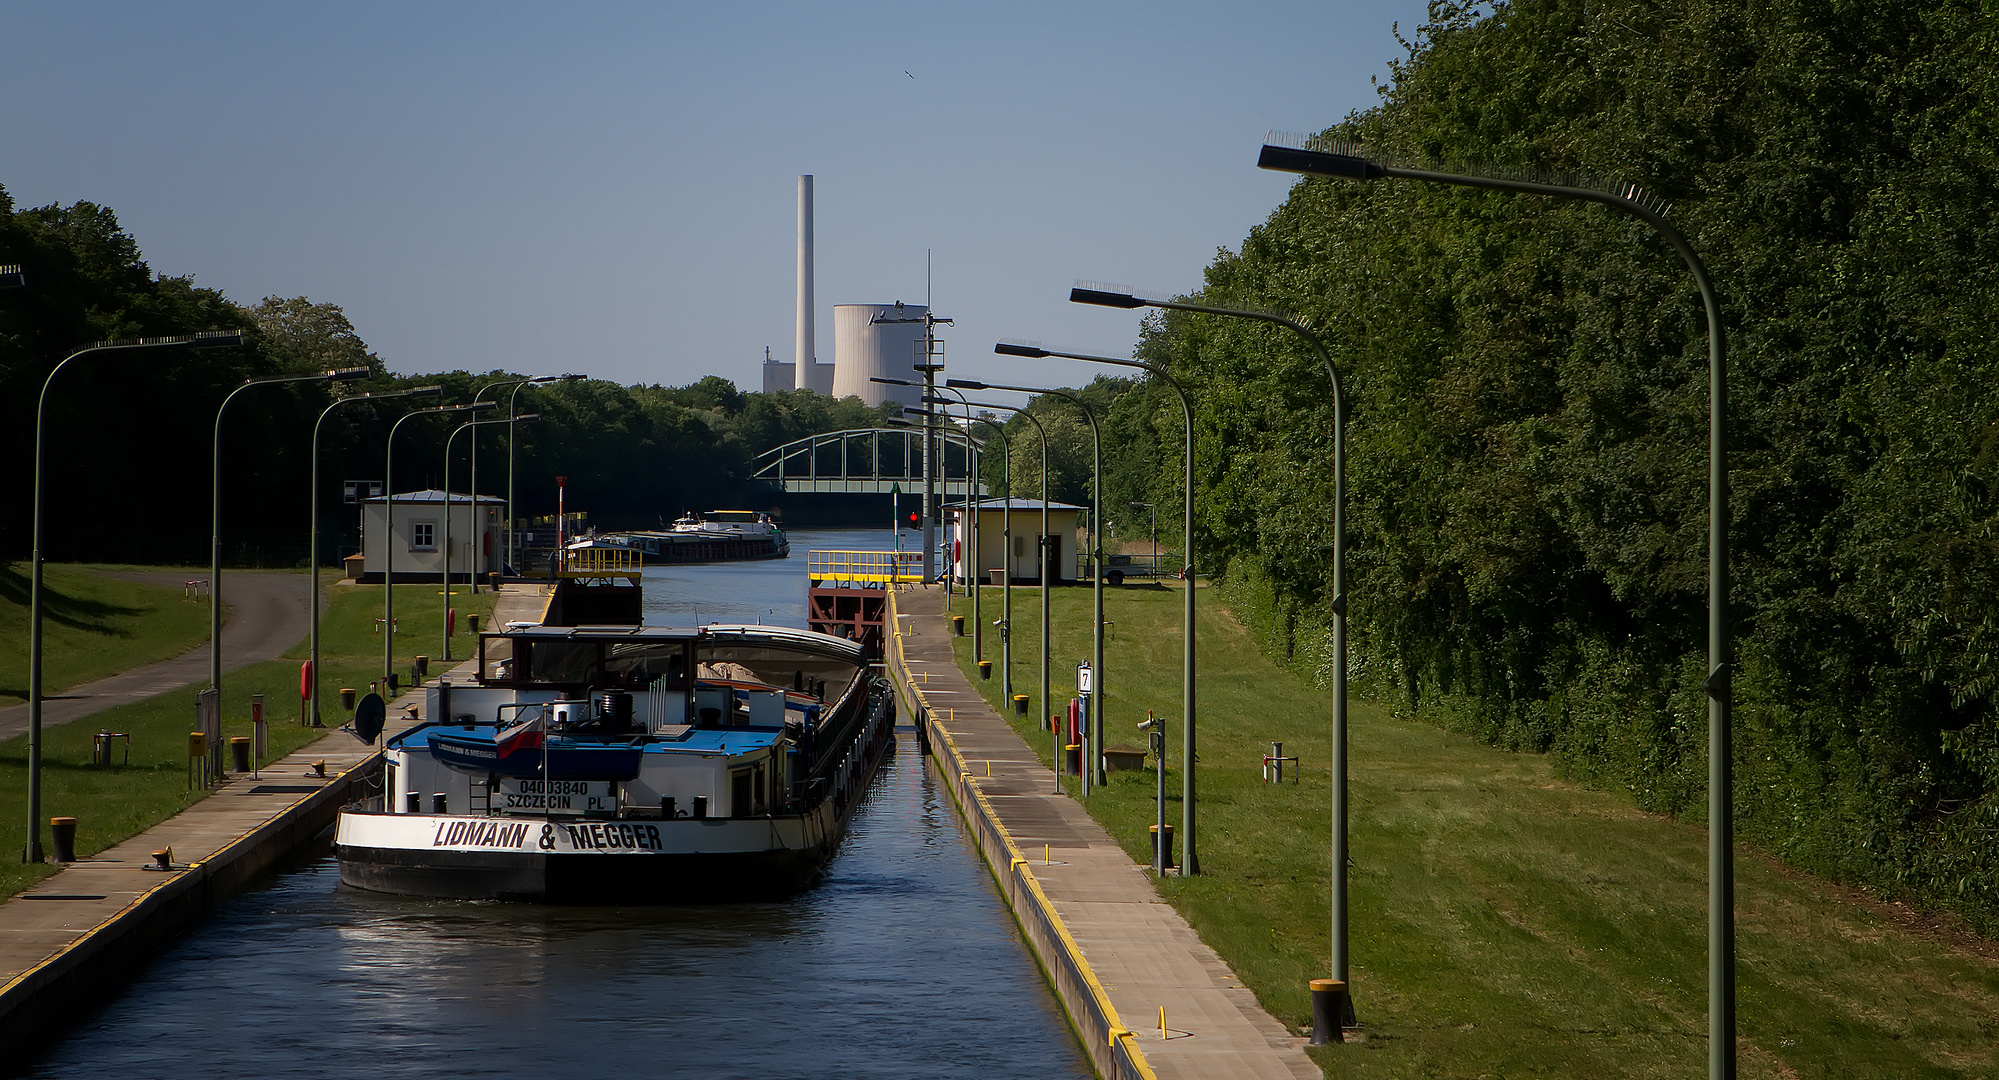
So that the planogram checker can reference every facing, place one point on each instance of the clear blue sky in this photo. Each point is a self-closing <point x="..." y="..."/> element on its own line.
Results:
<point x="610" y="188"/>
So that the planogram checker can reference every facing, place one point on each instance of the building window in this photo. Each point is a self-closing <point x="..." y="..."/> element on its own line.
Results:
<point x="423" y="536"/>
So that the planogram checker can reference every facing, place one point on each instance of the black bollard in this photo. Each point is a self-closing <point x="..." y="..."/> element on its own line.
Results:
<point x="438" y="803"/>
<point x="958" y="625"/>
<point x="1329" y="1005"/>
<point x="700" y="807"/>
<point x="1167" y="860"/>
<point x="239" y="753"/>
<point x="414" y="801"/>
<point x="666" y="809"/>
<point x="985" y="669"/>
<point x="1020" y="704"/>
<point x="64" y="829"/>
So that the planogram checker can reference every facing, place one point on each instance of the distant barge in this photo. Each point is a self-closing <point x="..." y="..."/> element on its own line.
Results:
<point x="716" y="536"/>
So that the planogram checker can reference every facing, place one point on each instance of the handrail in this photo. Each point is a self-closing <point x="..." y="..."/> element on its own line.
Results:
<point x="864" y="567"/>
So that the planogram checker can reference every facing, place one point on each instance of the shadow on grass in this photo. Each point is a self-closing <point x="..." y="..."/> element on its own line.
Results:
<point x="87" y="615"/>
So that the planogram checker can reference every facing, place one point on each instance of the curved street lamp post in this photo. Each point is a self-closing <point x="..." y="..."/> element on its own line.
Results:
<point x="207" y="339"/>
<point x="1094" y="738"/>
<point x="1189" y="862"/>
<point x="1338" y="855"/>
<point x="215" y="508"/>
<point x="389" y="533"/>
<point x="312" y="486"/>
<point x="513" y="556"/>
<point x="1313" y="157"/>
<point x="472" y="558"/>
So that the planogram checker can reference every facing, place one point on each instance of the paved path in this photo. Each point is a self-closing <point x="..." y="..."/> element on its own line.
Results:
<point x="268" y="614"/>
<point x="1141" y="952"/>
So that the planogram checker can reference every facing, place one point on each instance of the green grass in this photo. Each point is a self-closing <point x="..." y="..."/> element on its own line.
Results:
<point x="1503" y="922"/>
<point x="111" y="804"/>
<point x="92" y="627"/>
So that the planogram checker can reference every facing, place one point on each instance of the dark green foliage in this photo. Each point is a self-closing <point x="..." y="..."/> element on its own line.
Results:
<point x="1528" y="445"/>
<point x="130" y="434"/>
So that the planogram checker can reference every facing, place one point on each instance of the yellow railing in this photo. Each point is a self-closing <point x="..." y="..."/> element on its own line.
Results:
<point x="604" y="562"/>
<point x="870" y="567"/>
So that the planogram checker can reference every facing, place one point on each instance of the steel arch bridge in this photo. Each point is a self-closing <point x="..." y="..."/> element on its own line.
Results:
<point x="867" y="461"/>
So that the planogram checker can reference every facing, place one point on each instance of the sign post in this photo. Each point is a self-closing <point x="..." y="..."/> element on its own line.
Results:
<point x="1085" y="692"/>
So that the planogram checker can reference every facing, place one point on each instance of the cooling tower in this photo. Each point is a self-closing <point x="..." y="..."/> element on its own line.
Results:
<point x="877" y="339"/>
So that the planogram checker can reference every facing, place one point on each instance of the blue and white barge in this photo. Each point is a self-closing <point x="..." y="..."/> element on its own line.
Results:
<point x="603" y="764"/>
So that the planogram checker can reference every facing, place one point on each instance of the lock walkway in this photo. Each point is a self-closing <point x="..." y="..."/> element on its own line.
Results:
<point x="1116" y="953"/>
<point x="71" y="935"/>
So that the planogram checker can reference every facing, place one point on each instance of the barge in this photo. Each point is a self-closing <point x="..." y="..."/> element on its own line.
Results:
<point x="627" y="764"/>
<point x="716" y="536"/>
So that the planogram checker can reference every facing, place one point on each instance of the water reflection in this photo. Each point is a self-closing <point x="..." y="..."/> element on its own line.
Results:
<point x="902" y="963"/>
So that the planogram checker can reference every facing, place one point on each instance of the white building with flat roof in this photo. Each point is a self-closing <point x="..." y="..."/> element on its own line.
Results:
<point x="419" y="536"/>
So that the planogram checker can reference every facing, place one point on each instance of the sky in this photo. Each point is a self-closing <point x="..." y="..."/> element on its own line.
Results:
<point x="611" y="188"/>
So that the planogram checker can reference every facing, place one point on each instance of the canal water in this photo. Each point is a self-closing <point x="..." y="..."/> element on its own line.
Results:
<point x="902" y="963"/>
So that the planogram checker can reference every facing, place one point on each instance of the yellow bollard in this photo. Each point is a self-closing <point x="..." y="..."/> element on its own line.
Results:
<point x="1044" y="854"/>
<point x="1162" y="1021"/>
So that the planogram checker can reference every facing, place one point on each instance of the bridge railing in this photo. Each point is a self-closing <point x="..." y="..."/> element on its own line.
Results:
<point x="864" y="567"/>
<point x="603" y="562"/>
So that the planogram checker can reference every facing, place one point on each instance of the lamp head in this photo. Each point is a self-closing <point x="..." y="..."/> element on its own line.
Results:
<point x="1316" y="157"/>
<point x="341" y="374"/>
<point x="1009" y="348"/>
<point x="215" y="339"/>
<point x="527" y="418"/>
<point x="1094" y="292"/>
<point x="11" y="277"/>
<point x="423" y="391"/>
<point x="966" y="384"/>
<point x="891" y="382"/>
<point x="481" y="406"/>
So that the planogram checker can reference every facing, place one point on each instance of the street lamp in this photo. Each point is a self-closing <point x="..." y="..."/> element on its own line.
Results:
<point x="1045" y="568"/>
<point x="512" y="559"/>
<point x="1332" y="158"/>
<point x="978" y="546"/>
<point x="313" y="487"/>
<point x="207" y="339"/>
<point x="11" y="277"/>
<point x="525" y="418"/>
<point x="1093" y="773"/>
<point x="389" y="532"/>
<point x="1338" y="856"/>
<point x="1189" y="863"/>
<point x="215" y="510"/>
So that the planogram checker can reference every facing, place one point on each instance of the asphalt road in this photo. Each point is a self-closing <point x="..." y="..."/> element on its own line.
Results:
<point x="268" y="613"/>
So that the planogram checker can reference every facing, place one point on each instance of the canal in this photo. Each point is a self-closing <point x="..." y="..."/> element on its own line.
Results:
<point x="902" y="963"/>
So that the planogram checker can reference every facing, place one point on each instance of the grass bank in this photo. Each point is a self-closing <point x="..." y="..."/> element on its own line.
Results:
<point x="92" y="627"/>
<point x="116" y="802"/>
<point x="1503" y="922"/>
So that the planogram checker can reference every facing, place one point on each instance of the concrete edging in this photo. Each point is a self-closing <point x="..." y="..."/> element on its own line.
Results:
<point x="1111" y="1046"/>
<point x="42" y="1000"/>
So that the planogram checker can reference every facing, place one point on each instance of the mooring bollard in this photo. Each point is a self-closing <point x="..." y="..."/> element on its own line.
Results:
<point x="64" y="830"/>
<point x="1329" y="1005"/>
<point x="958" y="625"/>
<point x="700" y="807"/>
<point x="666" y="809"/>
<point x="986" y="670"/>
<point x="319" y="768"/>
<point x="438" y="803"/>
<point x="414" y="801"/>
<point x="239" y="753"/>
<point x="347" y="696"/>
<point x="1020" y="704"/>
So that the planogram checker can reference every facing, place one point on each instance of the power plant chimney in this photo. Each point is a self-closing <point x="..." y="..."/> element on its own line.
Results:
<point x="803" y="355"/>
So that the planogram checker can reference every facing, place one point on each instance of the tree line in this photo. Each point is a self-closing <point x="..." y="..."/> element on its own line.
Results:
<point x="130" y="434"/>
<point x="1528" y="436"/>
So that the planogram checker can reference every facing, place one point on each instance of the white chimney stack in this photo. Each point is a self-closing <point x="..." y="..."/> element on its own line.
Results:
<point x="803" y="353"/>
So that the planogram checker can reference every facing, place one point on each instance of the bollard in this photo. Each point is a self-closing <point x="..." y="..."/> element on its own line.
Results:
<point x="422" y="668"/>
<point x="100" y="749"/>
<point x="413" y="801"/>
<point x="700" y="807"/>
<point x="1072" y="759"/>
<point x="472" y="619"/>
<point x="438" y="803"/>
<point x="347" y="696"/>
<point x="958" y="626"/>
<point x="164" y="858"/>
<point x="1020" y="704"/>
<point x="666" y="809"/>
<point x="239" y="753"/>
<point x="64" y="829"/>
<point x="1163" y="859"/>
<point x="1329" y="1004"/>
<point x="986" y="670"/>
<point x="319" y="768"/>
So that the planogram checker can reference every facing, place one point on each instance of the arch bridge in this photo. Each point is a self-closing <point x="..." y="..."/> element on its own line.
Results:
<point x="868" y="461"/>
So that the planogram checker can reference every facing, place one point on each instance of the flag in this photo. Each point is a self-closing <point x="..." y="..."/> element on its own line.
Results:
<point x="523" y="735"/>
